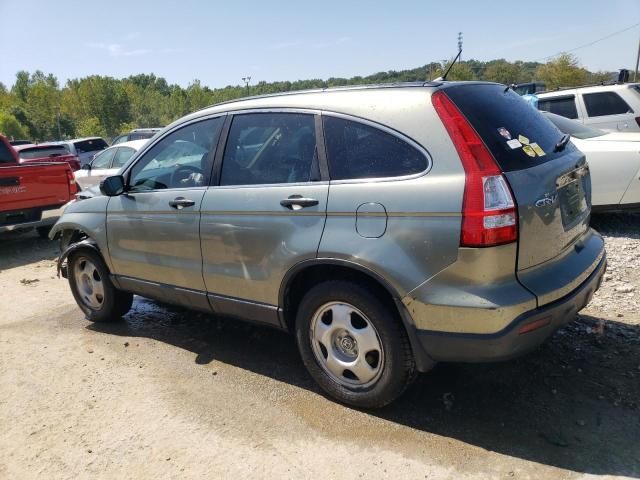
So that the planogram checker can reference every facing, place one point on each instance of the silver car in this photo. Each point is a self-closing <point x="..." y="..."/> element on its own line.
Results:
<point x="388" y="227"/>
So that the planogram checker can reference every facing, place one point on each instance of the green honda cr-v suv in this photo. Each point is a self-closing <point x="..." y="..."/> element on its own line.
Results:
<point x="389" y="227"/>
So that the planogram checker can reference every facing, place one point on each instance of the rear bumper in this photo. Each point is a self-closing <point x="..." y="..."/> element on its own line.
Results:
<point x="47" y="218"/>
<point x="510" y="342"/>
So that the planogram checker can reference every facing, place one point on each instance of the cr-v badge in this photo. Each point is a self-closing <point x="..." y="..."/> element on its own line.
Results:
<point x="547" y="200"/>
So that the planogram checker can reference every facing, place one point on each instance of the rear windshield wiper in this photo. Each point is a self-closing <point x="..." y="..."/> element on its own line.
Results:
<point x="560" y="146"/>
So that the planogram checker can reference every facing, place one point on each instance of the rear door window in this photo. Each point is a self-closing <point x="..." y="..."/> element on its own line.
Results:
<point x="266" y="148"/>
<point x="518" y="135"/>
<point x="605" y="103"/>
<point x="356" y="150"/>
<point x="563" y="106"/>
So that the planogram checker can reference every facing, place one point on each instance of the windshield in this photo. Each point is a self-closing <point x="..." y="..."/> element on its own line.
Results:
<point x="92" y="145"/>
<point x="573" y="128"/>
<point x="41" y="152"/>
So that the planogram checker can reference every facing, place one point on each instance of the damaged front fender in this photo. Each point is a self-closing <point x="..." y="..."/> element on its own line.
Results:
<point x="86" y="243"/>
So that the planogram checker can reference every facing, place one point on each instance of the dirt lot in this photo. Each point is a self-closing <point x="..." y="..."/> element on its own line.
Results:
<point x="173" y="394"/>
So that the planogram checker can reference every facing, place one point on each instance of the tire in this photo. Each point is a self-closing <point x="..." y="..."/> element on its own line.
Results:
<point x="337" y="326"/>
<point x="92" y="288"/>
<point x="43" y="232"/>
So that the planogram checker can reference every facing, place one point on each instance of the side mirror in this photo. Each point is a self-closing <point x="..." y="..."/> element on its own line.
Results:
<point x="112" y="186"/>
<point x="86" y="166"/>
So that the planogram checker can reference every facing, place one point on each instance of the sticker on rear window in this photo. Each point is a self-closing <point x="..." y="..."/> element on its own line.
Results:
<point x="505" y="133"/>
<point x="523" y="140"/>
<point x="514" y="143"/>
<point x="529" y="151"/>
<point x="538" y="149"/>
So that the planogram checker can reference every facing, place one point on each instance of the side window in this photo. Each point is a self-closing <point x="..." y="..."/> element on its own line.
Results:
<point x="605" y="103"/>
<point x="563" y="106"/>
<point x="270" y="148"/>
<point x="356" y="150"/>
<point x="103" y="159"/>
<point x="122" y="156"/>
<point x="179" y="160"/>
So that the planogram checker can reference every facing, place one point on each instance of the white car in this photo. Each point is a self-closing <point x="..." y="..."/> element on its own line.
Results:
<point x="614" y="161"/>
<point x="106" y="163"/>
<point x="614" y="108"/>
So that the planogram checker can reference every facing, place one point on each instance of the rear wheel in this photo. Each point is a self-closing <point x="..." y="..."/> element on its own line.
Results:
<point x="353" y="345"/>
<point x="91" y="287"/>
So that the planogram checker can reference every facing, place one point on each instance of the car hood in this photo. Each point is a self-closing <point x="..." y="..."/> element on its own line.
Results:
<point x="90" y="192"/>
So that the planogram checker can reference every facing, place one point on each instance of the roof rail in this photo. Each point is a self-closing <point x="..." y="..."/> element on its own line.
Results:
<point x="601" y="84"/>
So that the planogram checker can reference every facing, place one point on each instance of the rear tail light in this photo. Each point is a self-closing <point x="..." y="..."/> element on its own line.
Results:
<point x="73" y="187"/>
<point x="489" y="214"/>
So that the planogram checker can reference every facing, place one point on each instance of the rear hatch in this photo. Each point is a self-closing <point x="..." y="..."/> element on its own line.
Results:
<point x="552" y="188"/>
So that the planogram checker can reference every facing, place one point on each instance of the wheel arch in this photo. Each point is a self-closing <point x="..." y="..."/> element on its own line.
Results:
<point x="304" y="275"/>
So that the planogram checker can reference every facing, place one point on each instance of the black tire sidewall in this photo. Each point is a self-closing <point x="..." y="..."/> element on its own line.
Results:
<point x="398" y="361"/>
<point x="114" y="304"/>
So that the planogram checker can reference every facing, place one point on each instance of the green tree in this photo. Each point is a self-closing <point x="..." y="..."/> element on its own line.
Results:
<point x="501" y="71"/>
<point x="91" y="127"/>
<point x="564" y="71"/>
<point x="11" y="128"/>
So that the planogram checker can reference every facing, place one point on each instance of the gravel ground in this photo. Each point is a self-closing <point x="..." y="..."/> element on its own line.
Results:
<point x="173" y="394"/>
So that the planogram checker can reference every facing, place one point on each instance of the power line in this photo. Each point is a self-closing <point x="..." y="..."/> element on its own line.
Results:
<point x="590" y="43"/>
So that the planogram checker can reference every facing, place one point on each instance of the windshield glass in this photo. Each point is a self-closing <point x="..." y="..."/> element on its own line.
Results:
<point x="573" y="128"/>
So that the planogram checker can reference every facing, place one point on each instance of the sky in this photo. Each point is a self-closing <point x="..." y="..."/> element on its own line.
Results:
<point x="219" y="42"/>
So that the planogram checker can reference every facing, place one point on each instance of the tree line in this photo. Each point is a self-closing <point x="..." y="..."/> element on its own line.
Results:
<point x="38" y="108"/>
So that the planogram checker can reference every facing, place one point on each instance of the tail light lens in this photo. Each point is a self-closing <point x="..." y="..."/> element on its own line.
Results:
<point x="73" y="188"/>
<point x="489" y="214"/>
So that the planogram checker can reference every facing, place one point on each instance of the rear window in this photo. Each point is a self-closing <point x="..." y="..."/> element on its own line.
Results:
<point x="92" y="145"/>
<point x="605" y="103"/>
<point x="5" y="154"/>
<point x="140" y="135"/>
<point x="563" y="106"/>
<point x="517" y="134"/>
<point x="42" y="152"/>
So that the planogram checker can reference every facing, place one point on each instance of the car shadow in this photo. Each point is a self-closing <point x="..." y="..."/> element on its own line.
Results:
<point x="617" y="224"/>
<point x="22" y="248"/>
<point x="572" y="404"/>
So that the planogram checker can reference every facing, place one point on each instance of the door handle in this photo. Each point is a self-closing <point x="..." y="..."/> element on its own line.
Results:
<point x="296" y="202"/>
<point x="180" y="202"/>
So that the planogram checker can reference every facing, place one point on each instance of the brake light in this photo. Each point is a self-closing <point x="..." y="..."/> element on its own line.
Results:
<point x="489" y="214"/>
<point x="73" y="187"/>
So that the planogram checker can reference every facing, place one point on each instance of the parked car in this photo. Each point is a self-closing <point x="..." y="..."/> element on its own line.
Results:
<point x="30" y="153"/>
<point x="614" y="162"/>
<point x="15" y="143"/>
<point x="136" y="134"/>
<point x="83" y="148"/>
<point x="388" y="227"/>
<point x="32" y="195"/>
<point x="106" y="163"/>
<point x="612" y="108"/>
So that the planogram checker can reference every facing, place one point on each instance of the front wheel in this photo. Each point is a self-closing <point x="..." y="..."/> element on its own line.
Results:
<point x="91" y="287"/>
<point x="353" y="345"/>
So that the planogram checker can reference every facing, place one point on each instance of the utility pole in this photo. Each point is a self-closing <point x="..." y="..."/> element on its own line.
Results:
<point x="58" y="119"/>
<point x="246" y="81"/>
<point x="635" y="75"/>
<point x="460" y="45"/>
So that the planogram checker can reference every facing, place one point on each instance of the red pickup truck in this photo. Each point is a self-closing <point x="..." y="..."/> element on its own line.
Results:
<point x="32" y="194"/>
<point x="30" y="153"/>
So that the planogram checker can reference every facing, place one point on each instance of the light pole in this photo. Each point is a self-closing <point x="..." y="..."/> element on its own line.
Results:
<point x="635" y="75"/>
<point x="246" y="81"/>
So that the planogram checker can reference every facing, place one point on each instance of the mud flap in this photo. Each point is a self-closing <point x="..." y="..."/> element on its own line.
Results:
<point x="86" y="243"/>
